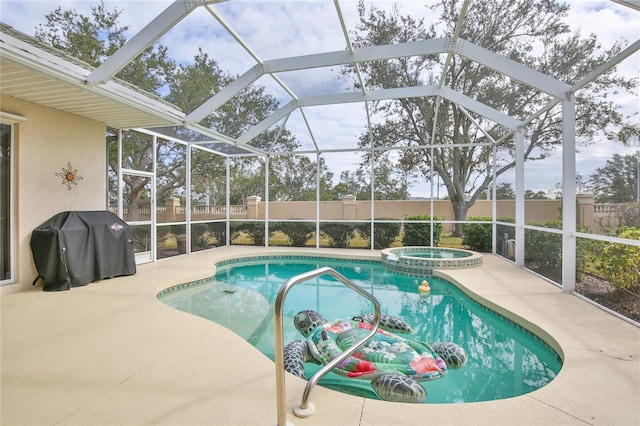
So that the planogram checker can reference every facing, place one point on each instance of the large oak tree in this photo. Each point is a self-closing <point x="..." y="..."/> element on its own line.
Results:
<point x="533" y="33"/>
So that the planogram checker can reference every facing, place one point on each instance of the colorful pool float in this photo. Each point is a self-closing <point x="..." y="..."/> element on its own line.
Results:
<point x="394" y="365"/>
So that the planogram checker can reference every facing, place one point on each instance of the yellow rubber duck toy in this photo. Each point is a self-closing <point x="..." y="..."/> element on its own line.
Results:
<point x="424" y="288"/>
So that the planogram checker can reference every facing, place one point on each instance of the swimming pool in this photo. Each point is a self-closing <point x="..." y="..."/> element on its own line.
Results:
<point x="505" y="360"/>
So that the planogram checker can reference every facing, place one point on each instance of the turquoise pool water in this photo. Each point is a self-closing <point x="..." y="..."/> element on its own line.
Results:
<point x="504" y="359"/>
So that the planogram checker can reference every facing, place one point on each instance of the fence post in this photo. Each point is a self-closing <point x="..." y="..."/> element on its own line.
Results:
<point x="584" y="210"/>
<point x="171" y="205"/>
<point x="253" y="202"/>
<point x="349" y="207"/>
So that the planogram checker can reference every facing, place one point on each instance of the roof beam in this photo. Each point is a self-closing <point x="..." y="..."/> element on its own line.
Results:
<point x="378" y="95"/>
<point x="337" y="98"/>
<point x="511" y="68"/>
<point x="314" y="61"/>
<point x="145" y="38"/>
<point x="342" y="57"/>
<point x="483" y="56"/>
<point x="268" y="122"/>
<point x="628" y="51"/>
<point x="480" y="108"/>
<point x="224" y="95"/>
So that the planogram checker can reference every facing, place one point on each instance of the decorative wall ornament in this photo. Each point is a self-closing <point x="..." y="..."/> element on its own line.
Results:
<point x="69" y="176"/>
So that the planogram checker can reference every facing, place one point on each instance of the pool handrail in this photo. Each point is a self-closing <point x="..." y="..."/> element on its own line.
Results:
<point x="304" y="409"/>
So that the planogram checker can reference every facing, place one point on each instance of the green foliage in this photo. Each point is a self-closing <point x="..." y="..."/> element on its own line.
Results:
<point x="219" y="231"/>
<point x="140" y="235"/>
<point x="293" y="178"/>
<point x="339" y="234"/>
<point x="94" y="38"/>
<point x="298" y="232"/>
<point x="178" y="229"/>
<point x="419" y="234"/>
<point x="616" y="182"/>
<point x="543" y="250"/>
<point x="620" y="263"/>
<point x="477" y="236"/>
<point x="199" y="236"/>
<point x="384" y="234"/>
<point x="530" y="195"/>
<point x="505" y="191"/>
<point x="255" y="231"/>
<point x="391" y="180"/>
<point x="506" y="28"/>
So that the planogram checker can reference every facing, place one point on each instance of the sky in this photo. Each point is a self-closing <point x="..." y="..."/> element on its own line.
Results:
<point x="277" y="29"/>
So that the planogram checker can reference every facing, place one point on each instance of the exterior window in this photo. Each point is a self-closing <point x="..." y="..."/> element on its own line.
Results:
<point x="6" y="205"/>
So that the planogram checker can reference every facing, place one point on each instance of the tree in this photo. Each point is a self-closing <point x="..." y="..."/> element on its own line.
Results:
<point x="530" y="195"/>
<point x="508" y="28"/>
<point x="505" y="191"/>
<point x="191" y="86"/>
<point x="390" y="183"/>
<point x="94" y="38"/>
<point x="293" y="177"/>
<point x="616" y="181"/>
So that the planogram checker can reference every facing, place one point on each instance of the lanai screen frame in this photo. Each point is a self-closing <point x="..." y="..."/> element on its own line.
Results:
<point x="560" y="92"/>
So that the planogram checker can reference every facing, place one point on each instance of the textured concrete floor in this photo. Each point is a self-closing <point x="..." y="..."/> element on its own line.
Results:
<point x="111" y="354"/>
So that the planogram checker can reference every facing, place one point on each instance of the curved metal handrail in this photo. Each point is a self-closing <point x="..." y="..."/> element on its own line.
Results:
<point x="279" y="344"/>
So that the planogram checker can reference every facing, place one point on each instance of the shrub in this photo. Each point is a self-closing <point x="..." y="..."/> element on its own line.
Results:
<point x="298" y="232"/>
<point x="255" y="231"/>
<point x="544" y="250"/>
<point x="178" y="229"/>
<point x="219" y="231"/>
<point x="384" y="234"/>
<point x="621" y="263"/>
<point x="140" y="236"/>
<point x="419" y="234"/>
<point x="477" y="236"/>
<point x="339" y="234"/>
<point x="199" y="237"/>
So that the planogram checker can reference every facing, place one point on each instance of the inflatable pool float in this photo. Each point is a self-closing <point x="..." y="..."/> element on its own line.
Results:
<point x="394" y="364"/>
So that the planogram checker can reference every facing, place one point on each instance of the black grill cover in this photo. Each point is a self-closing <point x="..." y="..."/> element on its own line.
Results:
<point x="75" y="248"/>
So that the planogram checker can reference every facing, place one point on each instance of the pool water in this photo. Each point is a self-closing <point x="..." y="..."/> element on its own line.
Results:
<point x="504" y="359"/>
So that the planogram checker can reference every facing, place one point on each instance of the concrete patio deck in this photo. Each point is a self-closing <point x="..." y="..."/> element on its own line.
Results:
<point x="110" y="353"/>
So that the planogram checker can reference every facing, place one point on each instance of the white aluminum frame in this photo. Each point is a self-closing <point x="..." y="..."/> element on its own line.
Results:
<point x="561" y="92"/>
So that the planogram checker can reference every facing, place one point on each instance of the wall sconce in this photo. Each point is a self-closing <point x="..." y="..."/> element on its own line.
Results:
<point x="69" y="176"/>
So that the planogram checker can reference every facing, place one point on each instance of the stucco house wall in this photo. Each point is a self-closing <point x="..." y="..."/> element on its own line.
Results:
<point x="44" y="144"/>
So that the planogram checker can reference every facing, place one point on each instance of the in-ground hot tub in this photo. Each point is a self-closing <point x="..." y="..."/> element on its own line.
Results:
<point x="418" y="260"/>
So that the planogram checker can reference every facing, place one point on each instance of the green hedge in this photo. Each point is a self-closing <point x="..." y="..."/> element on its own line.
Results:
<point x="419" y="234"/>
<point x="384" y="234"/>
<point x="199" y="235"/>
<point x="298" y="232"/>
<point x="543" y="250"/>
<point x="478" y="236"/>
<point x="218" y="230"/>
<point x="620" y="263"/>
<point x="339" y="234"/>
<point x="255" y="231"/>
